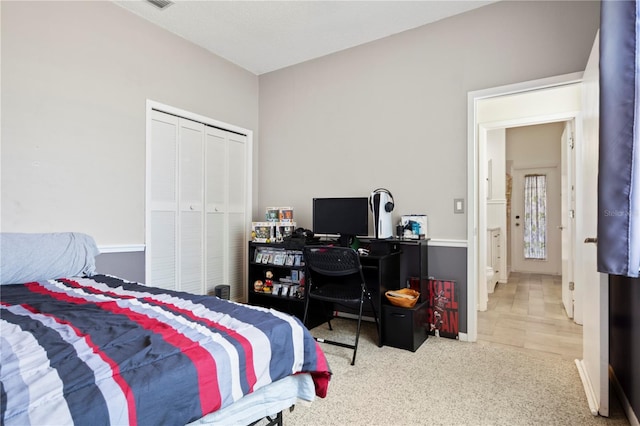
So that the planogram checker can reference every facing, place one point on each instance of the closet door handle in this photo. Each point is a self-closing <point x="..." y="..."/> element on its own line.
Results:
<point x="592" y="240"/>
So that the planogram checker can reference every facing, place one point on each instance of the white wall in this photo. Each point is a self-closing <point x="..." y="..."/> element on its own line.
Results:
<point x="534" y="146"/>
<point x="75" y="80"/>
<point x="392" y="113"/>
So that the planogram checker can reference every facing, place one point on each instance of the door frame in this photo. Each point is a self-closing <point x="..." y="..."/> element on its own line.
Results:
<point x="476" y="134"/>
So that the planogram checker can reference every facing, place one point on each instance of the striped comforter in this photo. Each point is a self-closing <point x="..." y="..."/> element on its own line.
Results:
<point x="103" y="351"/>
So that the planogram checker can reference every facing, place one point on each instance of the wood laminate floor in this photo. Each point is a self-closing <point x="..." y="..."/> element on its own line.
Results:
<point x="527" y="313"/>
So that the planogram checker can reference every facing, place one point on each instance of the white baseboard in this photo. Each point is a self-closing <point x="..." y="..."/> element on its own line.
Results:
<point x="588" y="387"/>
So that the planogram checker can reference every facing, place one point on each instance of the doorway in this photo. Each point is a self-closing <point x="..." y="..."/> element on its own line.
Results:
<point x="533" y="154"/>
<point x="590" y="292"/>
<point x="556" y="99"/>
<point x="526" y="309"/>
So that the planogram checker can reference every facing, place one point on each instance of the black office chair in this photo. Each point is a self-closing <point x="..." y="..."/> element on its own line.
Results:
<point x="335" y="276"/>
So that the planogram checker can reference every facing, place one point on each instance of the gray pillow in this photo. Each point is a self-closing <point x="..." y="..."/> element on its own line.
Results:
<point x="37" y="257"/>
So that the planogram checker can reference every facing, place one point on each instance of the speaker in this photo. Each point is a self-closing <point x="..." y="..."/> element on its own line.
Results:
<point x="222" y="291"/>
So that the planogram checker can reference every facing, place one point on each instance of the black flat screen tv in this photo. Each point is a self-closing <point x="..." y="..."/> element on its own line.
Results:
<point x="347" y="217"/>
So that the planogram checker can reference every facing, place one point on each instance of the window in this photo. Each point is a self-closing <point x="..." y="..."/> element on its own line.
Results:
<point x="535" y="217"/>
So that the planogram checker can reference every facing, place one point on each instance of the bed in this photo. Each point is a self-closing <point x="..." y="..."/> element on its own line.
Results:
<point x="96" y="349"/>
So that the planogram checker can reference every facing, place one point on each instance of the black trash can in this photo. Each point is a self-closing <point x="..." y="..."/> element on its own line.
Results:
<point x="222" y="291"/>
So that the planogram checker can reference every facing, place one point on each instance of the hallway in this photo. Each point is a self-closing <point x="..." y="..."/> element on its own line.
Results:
<point x="527" y="313"/>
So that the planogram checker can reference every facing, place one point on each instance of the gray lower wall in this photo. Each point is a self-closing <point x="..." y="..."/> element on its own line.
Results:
<point x="450" y="263"/>
<point x="127" y="265"/>
<point x="624" y="336"/>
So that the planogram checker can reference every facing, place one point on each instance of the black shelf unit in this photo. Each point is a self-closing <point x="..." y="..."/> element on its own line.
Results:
<point x="415" y="264"/>
<point x="293" y="305"/>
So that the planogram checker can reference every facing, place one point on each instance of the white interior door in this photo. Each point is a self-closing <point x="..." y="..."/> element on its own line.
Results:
<point x="216" y="189"/>
<point x="594" y="366"/>
<point x="567" y="190"/>
<point x="238" y="215"/>
<point x="198" y="202"/>
<point x="162" y="202"/>
<point x="190" y="231"/>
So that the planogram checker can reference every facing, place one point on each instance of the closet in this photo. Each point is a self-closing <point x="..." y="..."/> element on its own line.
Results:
<point x="198" y="205"/>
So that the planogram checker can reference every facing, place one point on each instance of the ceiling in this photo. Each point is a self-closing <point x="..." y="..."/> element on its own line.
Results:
<point x="263" y="36"/>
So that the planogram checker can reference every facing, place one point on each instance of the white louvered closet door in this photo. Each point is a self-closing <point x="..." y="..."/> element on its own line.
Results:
<point x="197" y="206"/>
<point x="226" y="214"/>
<point x="162" y="202"/>
<point x="216" y="194"/>
<point x="191" y="196"/>
<point x="237" y="213"/>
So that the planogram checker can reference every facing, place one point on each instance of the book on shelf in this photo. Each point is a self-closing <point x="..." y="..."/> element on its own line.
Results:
<point x="290" y="259"/>
<point x="279" y="259"/>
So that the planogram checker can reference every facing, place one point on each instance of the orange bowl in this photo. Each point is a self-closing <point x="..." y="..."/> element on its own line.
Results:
<point x="403" y="297"/>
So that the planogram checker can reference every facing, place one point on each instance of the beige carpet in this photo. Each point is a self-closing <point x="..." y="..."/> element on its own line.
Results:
<point x="447" y="382"/>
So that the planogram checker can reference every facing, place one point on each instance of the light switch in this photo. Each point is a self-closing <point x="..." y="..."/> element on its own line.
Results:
<point x="458" y="205"/>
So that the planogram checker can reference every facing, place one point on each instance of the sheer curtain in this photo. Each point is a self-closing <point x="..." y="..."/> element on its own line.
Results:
<point x="535" y="217"/>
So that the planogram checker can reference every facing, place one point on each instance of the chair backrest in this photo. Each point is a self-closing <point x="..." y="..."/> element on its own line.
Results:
<point x="332" y="261"/>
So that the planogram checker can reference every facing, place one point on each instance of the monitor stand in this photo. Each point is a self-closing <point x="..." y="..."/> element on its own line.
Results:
<point x="348" y="241"/>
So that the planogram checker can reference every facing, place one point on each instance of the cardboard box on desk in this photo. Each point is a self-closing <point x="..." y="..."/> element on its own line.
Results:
<point x="284" y="230"/>
<point x="262" y="232"/>
<point x="268" y="232"/>
<point x="279" y="214"/>
<point x="415" y="226"/>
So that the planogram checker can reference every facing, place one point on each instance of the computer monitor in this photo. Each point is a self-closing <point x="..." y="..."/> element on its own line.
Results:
<point x="347" y="217"/>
